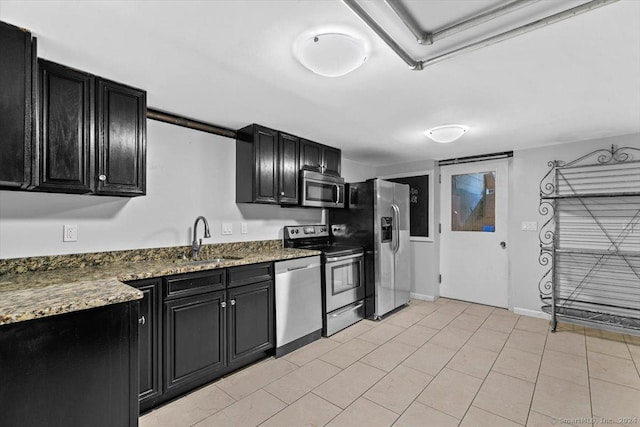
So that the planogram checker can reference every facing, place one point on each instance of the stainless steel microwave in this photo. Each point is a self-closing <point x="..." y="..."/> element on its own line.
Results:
<point x="321" y="191"/>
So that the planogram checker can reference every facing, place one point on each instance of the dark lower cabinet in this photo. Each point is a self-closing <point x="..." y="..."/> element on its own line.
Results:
<point x="75" y="369"/>
<point x="16" y="55"/>
<point x="195" y="330"/>
<point x="196" y="327"/>
<point x="251" y="320"/>
<point x="150" y="339"/>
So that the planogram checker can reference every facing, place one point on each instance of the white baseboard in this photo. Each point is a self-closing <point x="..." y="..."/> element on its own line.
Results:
<point x="531" y="313"/>
<point x="422" y="297"/>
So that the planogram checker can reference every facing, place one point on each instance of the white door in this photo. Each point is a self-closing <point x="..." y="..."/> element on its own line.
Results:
<point x="473" y="242"/>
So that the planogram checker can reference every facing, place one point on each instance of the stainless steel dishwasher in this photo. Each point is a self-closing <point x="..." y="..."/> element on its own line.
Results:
<point x="298" y="303"/>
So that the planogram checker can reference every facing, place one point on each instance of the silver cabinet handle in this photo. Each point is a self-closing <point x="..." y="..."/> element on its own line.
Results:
<point x="102" y="177"/>
<point x="298" y="268"/>
<point x="233" y="302"/>
<point x="282" y="193"/>
<point x="223" y="304"/>
<point x="344" y="257"/>
<point x="142" y="320"/>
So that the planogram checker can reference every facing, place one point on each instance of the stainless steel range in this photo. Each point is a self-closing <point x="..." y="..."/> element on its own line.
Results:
<point x="342" y="279"/>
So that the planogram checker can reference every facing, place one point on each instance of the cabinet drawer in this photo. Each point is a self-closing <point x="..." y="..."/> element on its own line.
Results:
<point x="194" y="283"/>
<point x="254" y="273"/>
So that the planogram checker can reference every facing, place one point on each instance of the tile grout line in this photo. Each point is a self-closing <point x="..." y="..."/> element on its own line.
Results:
<point x="333" y="376"/>
<point x="494" y="362"/>
<point x="535" y="385"/>
<point x="375" y="383"/>
<point x="445" y="365"/>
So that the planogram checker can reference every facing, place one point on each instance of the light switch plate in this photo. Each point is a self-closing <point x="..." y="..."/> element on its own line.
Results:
<point x="529" y="225"/>
<point x="244" y="229"/>
<point x="227" y="228"/>
<point x="70" y="233"/>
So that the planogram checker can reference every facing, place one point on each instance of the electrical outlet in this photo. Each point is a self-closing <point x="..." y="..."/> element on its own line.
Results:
<point x="70" y="233"/>
<point x="529" y="226"/>
<point x="227" y="228"/>
<point x="244" y="228"/>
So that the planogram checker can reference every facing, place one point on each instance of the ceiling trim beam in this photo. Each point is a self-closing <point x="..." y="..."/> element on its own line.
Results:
<point x="415" y="64"/>
<point x="426" y="37"/>
<point x="186" y="122"/>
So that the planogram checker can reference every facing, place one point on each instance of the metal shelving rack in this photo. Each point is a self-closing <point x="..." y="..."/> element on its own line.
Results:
<point x="590" y="241"/>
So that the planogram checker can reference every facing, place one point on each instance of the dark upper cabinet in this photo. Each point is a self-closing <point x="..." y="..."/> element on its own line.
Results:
<point x="257" y="165"/>
<point x="194" y="346"/>
<point x="267" y="166"/>
<point x="17" y="54"/>
<point x="90" y="135"/>
<point x="332" y="160"/>
<point x="121" y="139"/>
<point x="310" y="155"/>
<point x="321" y="158"/>
<point x="289" y="168"/>
<point x="63" y="157"/>
<point x="149" y="338"/>
<point x="251" y="320"/>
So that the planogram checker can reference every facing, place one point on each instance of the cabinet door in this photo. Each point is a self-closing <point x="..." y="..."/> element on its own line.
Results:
<point x="72" y="369"/>
<point x="331" y="160"/>
<point x="121" y="121"/>
<point x="310" y="155"/>
<point x="251" y="320"/>
<point x="194" y="338"/>
<point x="289" y="169"/>
<point x="15" y="107"/>
<point x="63" y="158"/>
<point x="150" y="350"/>
<point x="265" y="165"/>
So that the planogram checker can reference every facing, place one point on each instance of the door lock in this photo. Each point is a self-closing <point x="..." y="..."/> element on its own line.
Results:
<point x="503" y="245"/>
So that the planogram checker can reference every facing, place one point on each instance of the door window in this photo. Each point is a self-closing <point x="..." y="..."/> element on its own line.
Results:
<point x="473" y="202"/>
<point x="345" y="277"/>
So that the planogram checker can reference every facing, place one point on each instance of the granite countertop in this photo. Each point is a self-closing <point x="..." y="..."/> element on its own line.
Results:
<point x="36" y="294"/>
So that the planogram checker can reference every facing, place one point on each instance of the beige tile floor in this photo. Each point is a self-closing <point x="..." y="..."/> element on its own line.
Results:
<point x="443" y="363"/>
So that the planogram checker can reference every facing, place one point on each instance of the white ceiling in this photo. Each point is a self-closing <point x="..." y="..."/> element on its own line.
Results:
<point x="230" y="63"/>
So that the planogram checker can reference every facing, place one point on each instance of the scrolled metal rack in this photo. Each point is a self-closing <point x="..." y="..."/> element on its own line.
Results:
<point x="589" y="240"/>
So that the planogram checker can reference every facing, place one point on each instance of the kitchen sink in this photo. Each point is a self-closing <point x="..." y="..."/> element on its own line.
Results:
<point x="220" y="259"/>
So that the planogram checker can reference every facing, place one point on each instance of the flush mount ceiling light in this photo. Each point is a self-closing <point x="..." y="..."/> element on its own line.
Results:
<point x="331" y="54"/>
<point x="446" y="133"/>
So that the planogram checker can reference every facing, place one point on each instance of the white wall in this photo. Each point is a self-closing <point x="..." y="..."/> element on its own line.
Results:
<point x="356" y="172"/>
<point x="189" y="173"/>
<point x="528" y="168"/>
<point x="425" y="255"/>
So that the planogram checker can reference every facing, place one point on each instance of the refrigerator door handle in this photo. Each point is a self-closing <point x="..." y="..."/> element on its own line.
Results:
<point x="396" y="227"/>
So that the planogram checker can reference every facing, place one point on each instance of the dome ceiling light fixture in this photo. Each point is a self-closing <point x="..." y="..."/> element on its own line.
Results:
<point x="331" y="54"/>
<point x="446" y="133"/>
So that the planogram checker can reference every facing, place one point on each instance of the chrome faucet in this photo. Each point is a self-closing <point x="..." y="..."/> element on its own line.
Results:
<point x="197" y="243"/>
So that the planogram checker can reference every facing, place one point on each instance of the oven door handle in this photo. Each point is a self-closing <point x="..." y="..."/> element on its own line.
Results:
<point x="343" y="258"/>
<point x="346" y="309"/>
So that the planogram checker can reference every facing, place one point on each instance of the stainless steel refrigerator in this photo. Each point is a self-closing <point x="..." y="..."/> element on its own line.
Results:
<point x="376" y="217"/>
